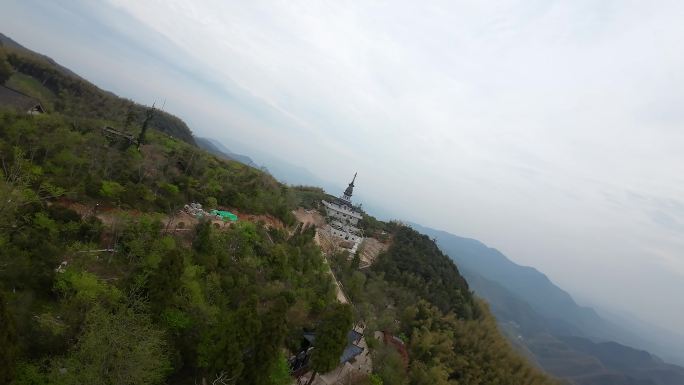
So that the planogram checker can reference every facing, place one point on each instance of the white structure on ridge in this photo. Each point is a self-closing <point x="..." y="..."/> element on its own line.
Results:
<point x="343" y="218"/>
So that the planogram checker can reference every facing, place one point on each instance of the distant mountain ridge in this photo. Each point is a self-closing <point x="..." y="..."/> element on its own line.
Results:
<point x="61" y="90"/>
<point x="9" y="42"/>
<point x="526" y="282"/>
<point x="217" y="148"/>
<point x="567" y="340"/>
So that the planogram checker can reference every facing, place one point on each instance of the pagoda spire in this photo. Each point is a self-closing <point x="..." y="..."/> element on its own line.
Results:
<point x="350" y="189"/>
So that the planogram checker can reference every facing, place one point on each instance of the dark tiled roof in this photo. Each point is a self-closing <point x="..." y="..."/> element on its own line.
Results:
<point x="353" y="336"/>
<point x="17" y="100"/>
<point x="350" y="351"/>
<point x="310" y="336"/>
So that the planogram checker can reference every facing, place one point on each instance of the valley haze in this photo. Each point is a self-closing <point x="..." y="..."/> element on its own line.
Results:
<point x="549" y="130"/>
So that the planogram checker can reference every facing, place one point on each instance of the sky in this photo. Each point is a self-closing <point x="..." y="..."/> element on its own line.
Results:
<point x="551" y="130"/>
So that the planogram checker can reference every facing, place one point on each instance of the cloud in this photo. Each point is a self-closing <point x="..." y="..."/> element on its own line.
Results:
<point x="550" y="130"/>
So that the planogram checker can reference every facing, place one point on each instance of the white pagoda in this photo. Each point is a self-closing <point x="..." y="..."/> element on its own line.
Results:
<point x="343" y="218"/>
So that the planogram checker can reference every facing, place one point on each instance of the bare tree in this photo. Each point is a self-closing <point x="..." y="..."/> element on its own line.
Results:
<point x="149" y="114"/>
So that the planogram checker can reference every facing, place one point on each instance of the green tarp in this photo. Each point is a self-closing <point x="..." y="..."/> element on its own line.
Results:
<point x="225" y="215"/>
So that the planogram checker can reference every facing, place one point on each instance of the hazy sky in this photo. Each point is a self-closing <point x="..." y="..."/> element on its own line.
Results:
<point x="551" y="130"/>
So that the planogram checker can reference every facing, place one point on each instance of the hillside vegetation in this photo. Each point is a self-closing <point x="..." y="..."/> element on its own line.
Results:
<point x="416" y="292"/>
<point x="163" y="305"/>
<point x="100" y="284"/>
<point x="62" y="91"/>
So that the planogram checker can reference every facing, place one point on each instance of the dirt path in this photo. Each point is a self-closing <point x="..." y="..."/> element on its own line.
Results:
<point x="341" y="297"/>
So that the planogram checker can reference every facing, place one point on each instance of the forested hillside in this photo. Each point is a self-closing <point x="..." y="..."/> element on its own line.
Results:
<point x="60" y="90"/>
<point x="162" y="305"/>
<point x="417" y="293"/>
<point x="102" y="283"/>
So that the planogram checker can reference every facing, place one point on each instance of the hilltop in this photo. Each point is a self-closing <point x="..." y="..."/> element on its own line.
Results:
<point x="62" y="91"/>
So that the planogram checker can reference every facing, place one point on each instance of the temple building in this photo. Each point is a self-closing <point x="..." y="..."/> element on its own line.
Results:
<point x="343" y="218"/>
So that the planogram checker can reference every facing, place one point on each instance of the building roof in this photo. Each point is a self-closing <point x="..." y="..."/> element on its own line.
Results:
<point x="310" y="336"/>
<point x="353" y="336"/>
<point x="19" y="101"/>
<point x="350" y="351"/>
<point x="344" y="203"/>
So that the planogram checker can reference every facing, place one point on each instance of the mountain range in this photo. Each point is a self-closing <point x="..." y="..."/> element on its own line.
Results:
<point x="217" y="148"/>
<point x="570" y="341"/>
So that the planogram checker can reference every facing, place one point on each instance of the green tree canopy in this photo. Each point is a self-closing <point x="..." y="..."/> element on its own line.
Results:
<point x="8" y="343"/>
<point x="331" y="338"/>
<point x="116" y="348"/>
